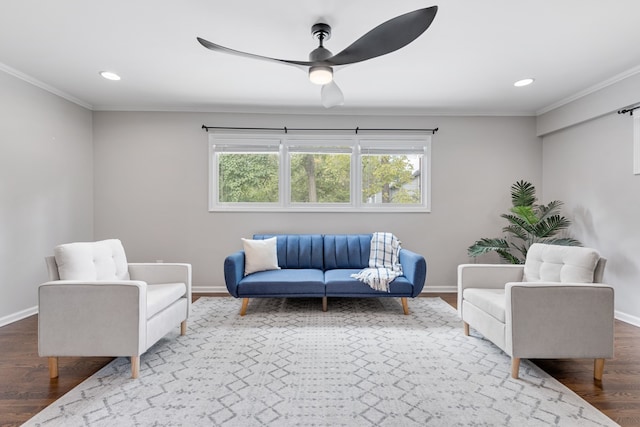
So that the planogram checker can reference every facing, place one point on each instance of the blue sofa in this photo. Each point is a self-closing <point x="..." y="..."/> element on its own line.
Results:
<point x="317" y="265"/>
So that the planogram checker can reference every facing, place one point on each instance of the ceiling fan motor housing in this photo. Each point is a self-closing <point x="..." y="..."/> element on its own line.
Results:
<point x="321" y="31"/>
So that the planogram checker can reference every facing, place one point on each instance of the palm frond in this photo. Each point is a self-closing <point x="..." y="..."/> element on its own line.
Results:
<point x="562" y="241"/>
<point x="519" y="222"/>
<point x="523" y="248"/>
<point x="523" y="194"/>
<point x="516" y="231"/>
<point x="526" y="212"/>
<point x="486" y="245"/>
<point x="509" y="258"/>
<point x="551" y="226"/>
<point x="553" y="208"/>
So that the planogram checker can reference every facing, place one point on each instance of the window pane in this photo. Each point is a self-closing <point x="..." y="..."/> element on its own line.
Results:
<point x="320" y="178"/>
<point x="391" y="179"/>
<point x="247" y="178"/>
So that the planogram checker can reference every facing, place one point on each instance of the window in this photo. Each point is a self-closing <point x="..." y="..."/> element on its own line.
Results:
<point x="392" y="173"/>
<point x="319" y="173"/>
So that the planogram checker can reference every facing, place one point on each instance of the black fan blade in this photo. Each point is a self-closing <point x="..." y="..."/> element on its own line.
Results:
<point x="218" y="48"/>
<point x="387" y="37"/>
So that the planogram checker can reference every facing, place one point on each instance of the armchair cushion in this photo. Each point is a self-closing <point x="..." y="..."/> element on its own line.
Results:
<point x="564" y="264"/>
<point x="163" y="295"/>
<point x="92" y="261"/>
<point x="491" y="301"/>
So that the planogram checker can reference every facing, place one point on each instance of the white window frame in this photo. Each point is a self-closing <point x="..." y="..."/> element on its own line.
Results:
<point x="419" y="142"/>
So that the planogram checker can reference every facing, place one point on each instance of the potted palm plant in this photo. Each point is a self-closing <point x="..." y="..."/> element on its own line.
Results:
<point x="528" y="223"/>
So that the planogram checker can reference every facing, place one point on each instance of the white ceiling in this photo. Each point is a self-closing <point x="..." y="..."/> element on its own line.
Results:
<point x="465" y="63"/>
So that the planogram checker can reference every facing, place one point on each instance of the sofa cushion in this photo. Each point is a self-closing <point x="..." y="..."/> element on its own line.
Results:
<point x="340" y="283"/>
<point x="297" y="250"/>
<point x="490" y="301"/>
<point x="346" y="251"/>
<point x="260" y="255"/>
<point x="552" y="263"/>
<point x="285" y="282"/>
<point x="160" y="296"/>
<point x="92" y="261"/>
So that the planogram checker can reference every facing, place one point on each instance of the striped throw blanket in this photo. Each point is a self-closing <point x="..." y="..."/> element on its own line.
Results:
<point x="384" y="262"/>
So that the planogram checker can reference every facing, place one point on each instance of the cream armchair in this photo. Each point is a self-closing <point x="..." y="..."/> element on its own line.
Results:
<point x="97" y="304"/>
<point x="553" y="306"/>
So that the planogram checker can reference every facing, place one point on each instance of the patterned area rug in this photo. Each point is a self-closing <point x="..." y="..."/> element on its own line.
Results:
<point x="286" y="363"/>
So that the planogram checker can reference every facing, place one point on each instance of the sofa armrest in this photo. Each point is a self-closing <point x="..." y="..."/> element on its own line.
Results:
<point x="234" y="271"/>
<point x="160" y="272"/>
<point x="106" y="318"/>
<point x="414" y="268"/>
<point x="153" y="273"/>
<point x="486" y="276"/>
<point x="559" y="320"/>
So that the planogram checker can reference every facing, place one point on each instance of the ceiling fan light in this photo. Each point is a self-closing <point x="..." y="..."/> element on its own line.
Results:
<point x="320" y="75"/>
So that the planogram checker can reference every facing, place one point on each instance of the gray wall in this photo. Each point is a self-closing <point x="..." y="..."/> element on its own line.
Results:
<point x="46" y="187"/>
<point x="151" y="172"/>
<point x="590" y="167"/>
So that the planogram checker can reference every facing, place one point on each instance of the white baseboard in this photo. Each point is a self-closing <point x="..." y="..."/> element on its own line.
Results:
<point x="18" y="316"/>
<point x="209" y="290"/>
<point x="439" y="289"/>
<point x="627" y="318"/>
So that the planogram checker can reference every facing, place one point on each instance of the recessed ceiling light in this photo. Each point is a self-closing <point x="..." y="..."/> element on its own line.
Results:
<point x="523" y="82"/>
<point x="109" y="75"/>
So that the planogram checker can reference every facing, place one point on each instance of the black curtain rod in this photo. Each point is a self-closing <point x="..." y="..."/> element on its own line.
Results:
<point x="628" y="110"/>
<point x="286" y="129"/>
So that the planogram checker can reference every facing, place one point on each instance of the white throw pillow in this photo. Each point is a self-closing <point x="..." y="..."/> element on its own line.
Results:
<point x="92" y="261"/>
<point x="564" y="264"/>
<point x="260" y="255"/>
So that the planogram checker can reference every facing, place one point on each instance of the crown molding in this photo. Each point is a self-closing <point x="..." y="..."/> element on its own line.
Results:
<point x="342" y="111"/>
<point x="35" y="82"/>
<point x="588" y="91"/>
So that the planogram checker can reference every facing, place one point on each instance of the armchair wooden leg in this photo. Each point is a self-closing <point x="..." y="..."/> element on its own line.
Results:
<point x="405" y="305"/>
<point x="515" y="367"/>
<point x="183" y="327"/>
<point x="324" y="303"/>
<point x="53" y="367"/>
<point x="598" y="369"/>
<point x="243" y="309"/>
<point x="135" y="366"/>
<point x="466" y="328"/>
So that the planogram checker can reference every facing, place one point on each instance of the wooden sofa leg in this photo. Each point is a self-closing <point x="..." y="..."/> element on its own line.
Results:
<point x="405" y="305"/>
<point x="135" y="366"/>
<point x="466" y="328"/>
<point x="324" y="303"/>
<point x="53" y="367"/>
<point x="183" y="327"/>
<point x="598" y="369"/>
<point x="515" y="367"/>
<point x="243" y="309"/>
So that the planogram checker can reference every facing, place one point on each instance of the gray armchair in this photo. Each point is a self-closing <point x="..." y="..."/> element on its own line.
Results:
<point x="97" y="304"/>
<point x="553" y="306"/>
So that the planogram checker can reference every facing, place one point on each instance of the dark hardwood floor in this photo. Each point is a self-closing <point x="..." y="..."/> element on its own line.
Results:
<point x="25" y="387"/>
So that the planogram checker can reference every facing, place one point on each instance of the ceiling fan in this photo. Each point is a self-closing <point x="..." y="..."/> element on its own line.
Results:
<point x="385" y="38"/>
